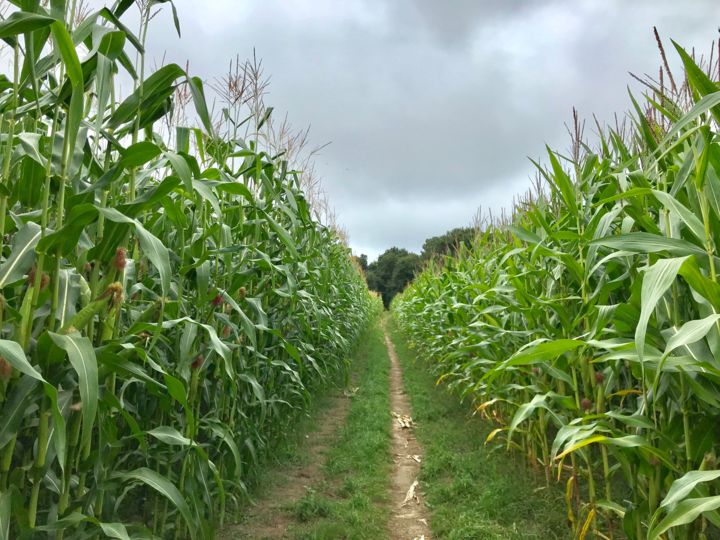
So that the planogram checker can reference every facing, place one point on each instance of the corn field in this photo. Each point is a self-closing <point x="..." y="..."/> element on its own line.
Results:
<point x="170" y="300"/>
<point x="586" y="328"/>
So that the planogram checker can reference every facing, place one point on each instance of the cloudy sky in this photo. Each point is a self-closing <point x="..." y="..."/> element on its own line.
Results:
<point x="432" y="108"/>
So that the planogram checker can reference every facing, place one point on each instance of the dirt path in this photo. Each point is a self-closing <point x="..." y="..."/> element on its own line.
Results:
<point x="270" y="517"/>
<point x="409" y="517"/>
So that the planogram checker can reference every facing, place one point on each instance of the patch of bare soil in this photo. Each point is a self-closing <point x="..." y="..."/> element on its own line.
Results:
<point x="409" y="517"/>
<point x="270" y="517"/>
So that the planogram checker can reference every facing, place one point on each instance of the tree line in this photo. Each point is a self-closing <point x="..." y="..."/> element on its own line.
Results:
<point x="396" y="267"/>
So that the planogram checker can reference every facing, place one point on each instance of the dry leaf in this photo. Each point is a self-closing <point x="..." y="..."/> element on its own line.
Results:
<point x="410" y="495"/>
<point x="351" y="392"/>
<point x="403" y="420"/>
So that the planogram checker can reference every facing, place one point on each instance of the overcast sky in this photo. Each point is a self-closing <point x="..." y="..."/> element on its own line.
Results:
<point x="432" y="107"/>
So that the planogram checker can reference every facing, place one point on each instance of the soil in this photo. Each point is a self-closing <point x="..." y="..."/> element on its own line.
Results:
<point x="409" y="518"/>
<point x="270" y="518"/>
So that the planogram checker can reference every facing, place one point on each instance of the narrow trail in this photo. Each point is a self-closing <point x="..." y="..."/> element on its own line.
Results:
<point x="409" y="516"/>
<point x="394" y="493"/>
<point x="269" y="517"/>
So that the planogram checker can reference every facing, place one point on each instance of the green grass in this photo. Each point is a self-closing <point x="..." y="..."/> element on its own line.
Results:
<point x="474" y="491"/>
<point x="351" y="502"/>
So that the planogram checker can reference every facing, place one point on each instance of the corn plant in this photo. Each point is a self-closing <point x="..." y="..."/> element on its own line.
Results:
<point x="169" y="302"/>
<point x="587" y="328"/>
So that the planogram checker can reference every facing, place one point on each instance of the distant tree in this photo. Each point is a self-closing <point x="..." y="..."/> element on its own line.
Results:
<point x="396" y="267"/>
<point x="363" y="262"/>
<point x="448" y="243"/>
<point x="391" y="272"/>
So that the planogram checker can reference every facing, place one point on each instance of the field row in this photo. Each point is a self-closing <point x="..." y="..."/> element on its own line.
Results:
<point x="587" y="329"/>
<point x="170" y="299"/>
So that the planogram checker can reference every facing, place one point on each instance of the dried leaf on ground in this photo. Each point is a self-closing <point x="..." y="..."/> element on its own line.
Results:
<point x="410" y="495"/>
<point x="403" y="420"/>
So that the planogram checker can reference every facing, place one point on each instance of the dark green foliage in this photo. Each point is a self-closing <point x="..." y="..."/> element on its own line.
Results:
<point x="391" y="272"/>
<point x="448" y="243"/>
<point x="362" y="261"/>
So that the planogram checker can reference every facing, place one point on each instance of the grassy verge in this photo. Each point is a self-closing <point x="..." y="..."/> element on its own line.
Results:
<point x="474" y="492"/>
<point x="351" y="501"/>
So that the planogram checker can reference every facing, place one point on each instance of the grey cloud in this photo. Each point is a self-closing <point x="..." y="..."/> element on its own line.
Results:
<point x="432" y="107"/>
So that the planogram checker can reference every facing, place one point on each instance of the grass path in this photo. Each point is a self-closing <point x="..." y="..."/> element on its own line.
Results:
<point x="474" y="492"/>
<point x="352" y="471"/>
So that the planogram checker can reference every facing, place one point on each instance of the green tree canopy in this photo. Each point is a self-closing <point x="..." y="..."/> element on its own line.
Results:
<point x="448" y="243"/>
<point x="392" y="271"/>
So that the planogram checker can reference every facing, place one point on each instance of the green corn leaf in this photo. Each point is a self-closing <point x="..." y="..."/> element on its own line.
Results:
<point x="112" y="44"/>
<point x="704" y="286"/>
<point x="562" y="181"/>
<point x="65" y="240"/>
<point x="122" y="6"/>
<point x="126" y="368"/>
<point x="699" y="81"/>
<point x="282" y="234"/>
<point x="22" y="255"/>
<point x="222" y="432"/>
<point x="64" y="43"/>
<point x="81" y="354"/>
<point x="111" y="530"/>
<point x="207" y="194"/>
<point x="534" y="354"/>
<point x="181" y="168"/>
<point x="152" y="247"/>
<point x="68" y="295"/>
<point x="114" y="530"/>
<point x="682" y="487"/>
<point x="30" y="147"/>
<point x="657" y="280"/>
<point x="165" y="488"/>
<point x="13" y="353"/>
<point x="5" y="508"/>
<point x="685" y="512"/>
<point x="198" y="94"/>
<point x="695" y="226"/>
<point x="257" y="389"/>
<point x="15" y="407"/>
<point x="177" y="390"/>
<point x="524" y="411"/>
<point x="640" y="242"/>
<point x="687" y="334"/>
<point x="157" y="87"/>
<point x="691" y="332"/>
<point x="170" y="435"/>
<point x="139" y="154"/>
<point x="707" y="103"/>
<point x="113" y="18"/>
<point x="236" y="188"/>
<point x="20" y="22"/>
